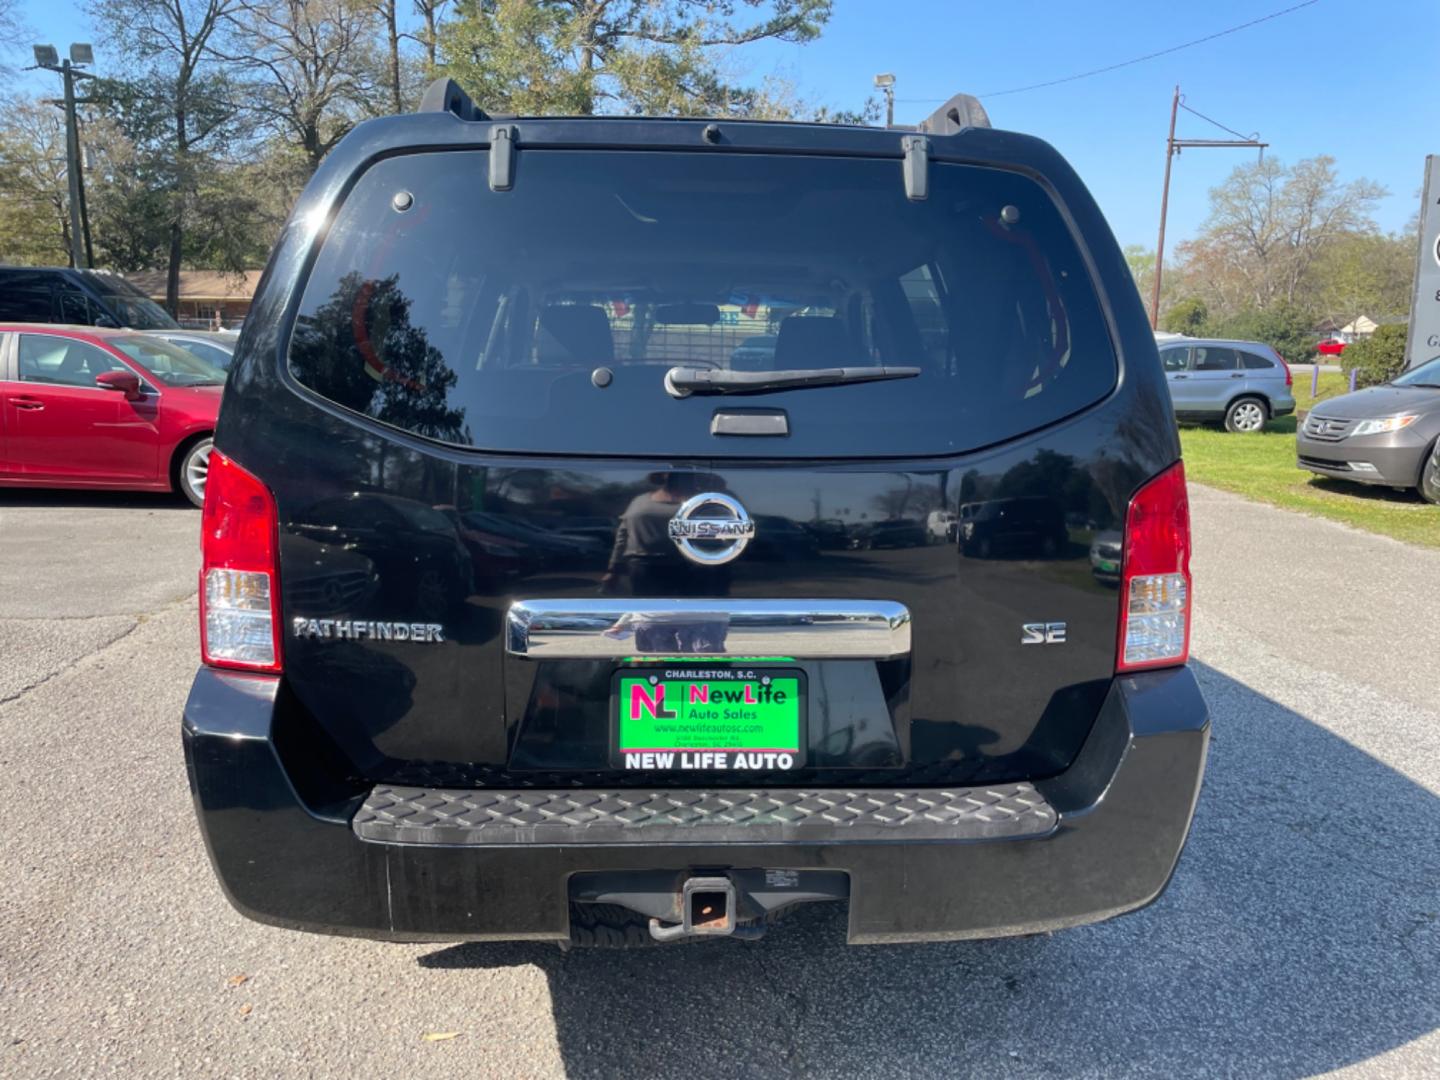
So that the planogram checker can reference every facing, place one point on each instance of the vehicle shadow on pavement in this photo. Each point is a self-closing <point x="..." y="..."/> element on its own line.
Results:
<point x="99" y="500"/>
<point x="1301" y="934"/>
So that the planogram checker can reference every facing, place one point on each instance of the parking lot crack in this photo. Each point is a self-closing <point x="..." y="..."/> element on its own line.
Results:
<point x="92" y="655"/>
<point x="71" y="665"/>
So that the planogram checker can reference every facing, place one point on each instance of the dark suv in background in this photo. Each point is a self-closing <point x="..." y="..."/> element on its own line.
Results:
<point x="55" y="294"/>
<point x="524" y="331"/>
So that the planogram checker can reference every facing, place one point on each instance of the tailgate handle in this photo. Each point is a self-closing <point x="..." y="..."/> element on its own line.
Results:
<point x="613" y="629"/>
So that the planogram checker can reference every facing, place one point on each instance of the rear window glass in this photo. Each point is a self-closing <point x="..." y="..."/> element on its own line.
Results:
<point x="1253" y="362"/>
<point x="481" y="318"/>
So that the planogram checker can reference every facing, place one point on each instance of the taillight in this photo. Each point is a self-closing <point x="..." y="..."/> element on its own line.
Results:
<point x="239" y="583"/>
<point x="1155" y="595"/>
<point x="1289" y="376"/>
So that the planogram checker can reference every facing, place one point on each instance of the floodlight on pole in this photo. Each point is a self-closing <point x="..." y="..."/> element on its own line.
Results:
<point x="886" y="83"/>
<point x="81" y="55"/>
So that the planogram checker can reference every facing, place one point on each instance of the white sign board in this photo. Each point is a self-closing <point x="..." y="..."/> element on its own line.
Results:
<point x="1424" y="343"/>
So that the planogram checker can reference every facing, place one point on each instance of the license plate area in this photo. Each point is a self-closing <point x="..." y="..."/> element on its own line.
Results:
<point x="688" y="717"/>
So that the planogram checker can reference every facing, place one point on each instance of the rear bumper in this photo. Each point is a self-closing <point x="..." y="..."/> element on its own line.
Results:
<point x="1102" y="838"/>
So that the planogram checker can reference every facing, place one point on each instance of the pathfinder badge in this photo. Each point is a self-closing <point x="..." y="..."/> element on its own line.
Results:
<point x="359" y="630"/>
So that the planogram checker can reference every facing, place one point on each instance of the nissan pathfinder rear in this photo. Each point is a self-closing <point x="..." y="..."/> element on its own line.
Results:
<point x="566" y="570"/>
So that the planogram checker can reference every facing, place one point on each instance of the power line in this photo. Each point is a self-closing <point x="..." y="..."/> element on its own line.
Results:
<point x="1136" y="60"/>
<point x="1173" y="147"/>
<point x="1222" y="127"/>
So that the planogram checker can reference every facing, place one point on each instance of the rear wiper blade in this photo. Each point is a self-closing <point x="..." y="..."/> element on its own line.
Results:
<point x="683" y="381"/>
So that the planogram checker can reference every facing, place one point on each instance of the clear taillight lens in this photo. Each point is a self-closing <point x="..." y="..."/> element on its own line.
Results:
<point x="239" y="601"/>
<point x="239" y="622"/>
<point x="1155" y="576"/>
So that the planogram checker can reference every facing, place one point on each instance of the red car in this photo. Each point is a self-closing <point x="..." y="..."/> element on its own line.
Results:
<point x="1330" y="347"/>
<point x="84" y="407"/>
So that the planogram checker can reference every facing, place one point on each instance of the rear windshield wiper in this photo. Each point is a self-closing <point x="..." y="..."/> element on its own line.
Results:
<point x="683" y="381"/>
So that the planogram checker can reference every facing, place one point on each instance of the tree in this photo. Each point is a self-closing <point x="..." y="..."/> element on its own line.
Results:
<point x="1268" y="227"/>
<point x="1141" y="261"/>
<point x="387" y="11"/>
<point x="178" y="98"/>
<point x="1287" y="329"/>
<point x="12" y="31"/>
<point x="428" y="37"/>
<point x="312" y="67"/>
<point x="1378" y="358"/>
<point x="1365" y="275"/>
<point x="628" y="56"/>
<point x="34" y="209"/>
<point x="1188" y="316"/>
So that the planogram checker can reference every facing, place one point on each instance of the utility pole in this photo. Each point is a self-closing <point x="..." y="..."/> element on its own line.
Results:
<point x="1173" y="146"/>
<point x="886" y="83"/>
<point x="69" y="70"/>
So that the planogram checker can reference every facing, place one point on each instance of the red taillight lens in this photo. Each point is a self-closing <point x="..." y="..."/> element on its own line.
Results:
<point x="1155" y="592"/>
<point x="239" y="583"/>
<point x="1289" y="376"/>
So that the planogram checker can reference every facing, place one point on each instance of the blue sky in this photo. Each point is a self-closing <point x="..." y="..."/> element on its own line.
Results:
<point x="1357" y="79"/>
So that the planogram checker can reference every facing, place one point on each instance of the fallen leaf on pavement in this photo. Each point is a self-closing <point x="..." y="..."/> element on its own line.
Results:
<point x="440" y="1036"/>
<point x="245" y="1009"/>
<point x="237" y="980"/>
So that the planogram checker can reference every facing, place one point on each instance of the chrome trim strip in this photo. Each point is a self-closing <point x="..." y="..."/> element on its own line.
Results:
<point x="609" y="629"/>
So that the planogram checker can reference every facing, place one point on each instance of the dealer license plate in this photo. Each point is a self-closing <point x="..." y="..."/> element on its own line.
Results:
<point x="682" y="718"/>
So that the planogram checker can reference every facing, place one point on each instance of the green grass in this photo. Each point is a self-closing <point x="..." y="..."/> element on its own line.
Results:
<point x="1262" y="467"/>
<point x="1332" y="384"/>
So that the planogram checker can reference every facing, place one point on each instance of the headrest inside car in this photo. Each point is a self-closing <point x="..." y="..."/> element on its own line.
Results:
<point x="574" y="334"/>
<point x="813" y="341"/>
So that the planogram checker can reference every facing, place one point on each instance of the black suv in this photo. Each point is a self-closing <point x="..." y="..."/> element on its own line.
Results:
<point x="514" y="619"/>
<point x="58" y="294"/>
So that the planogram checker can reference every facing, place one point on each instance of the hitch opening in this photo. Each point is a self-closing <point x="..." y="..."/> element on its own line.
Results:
<point x="707" y="909"/>
<point x="710" y="910"/>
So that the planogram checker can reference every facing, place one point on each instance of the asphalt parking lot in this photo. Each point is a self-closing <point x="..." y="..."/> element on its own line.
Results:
<point x="1301" y="934"/>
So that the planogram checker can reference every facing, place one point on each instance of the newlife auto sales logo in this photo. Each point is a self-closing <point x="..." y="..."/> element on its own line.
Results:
<point x="729" y="720"/>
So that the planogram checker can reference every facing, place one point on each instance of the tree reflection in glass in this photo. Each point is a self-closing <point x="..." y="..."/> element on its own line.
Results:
<point x="360" y="345"/>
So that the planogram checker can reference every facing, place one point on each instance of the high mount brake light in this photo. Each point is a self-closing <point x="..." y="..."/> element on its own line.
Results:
<point x="239" y="583"/>
<point x="1155" y="590"/>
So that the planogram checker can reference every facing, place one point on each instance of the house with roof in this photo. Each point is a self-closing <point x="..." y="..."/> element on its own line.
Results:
<point x="209" y="299"/>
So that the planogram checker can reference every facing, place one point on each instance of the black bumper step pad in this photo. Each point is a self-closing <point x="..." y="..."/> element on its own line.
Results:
<point x="408" y="815"/>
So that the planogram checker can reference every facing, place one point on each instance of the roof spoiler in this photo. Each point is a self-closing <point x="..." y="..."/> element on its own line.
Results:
<point x="960" y="112"/>
<point x="445" y="95"/>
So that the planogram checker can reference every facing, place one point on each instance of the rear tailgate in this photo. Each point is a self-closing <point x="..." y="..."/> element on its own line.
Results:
<point x="968" y="700"/>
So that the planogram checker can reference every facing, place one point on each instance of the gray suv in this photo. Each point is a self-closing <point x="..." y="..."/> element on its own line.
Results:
<point x="1242" y="383"/>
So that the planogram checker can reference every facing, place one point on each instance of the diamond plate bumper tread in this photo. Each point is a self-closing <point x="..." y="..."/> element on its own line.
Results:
<point x="408" y="815"/>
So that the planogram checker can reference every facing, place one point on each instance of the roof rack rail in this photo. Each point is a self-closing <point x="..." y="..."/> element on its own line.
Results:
<point x="960" y="112"/>
<point x="445" y="95"/>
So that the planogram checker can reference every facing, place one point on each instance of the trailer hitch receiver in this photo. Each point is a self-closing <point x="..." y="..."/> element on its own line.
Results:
<point x="707" y="909"/>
